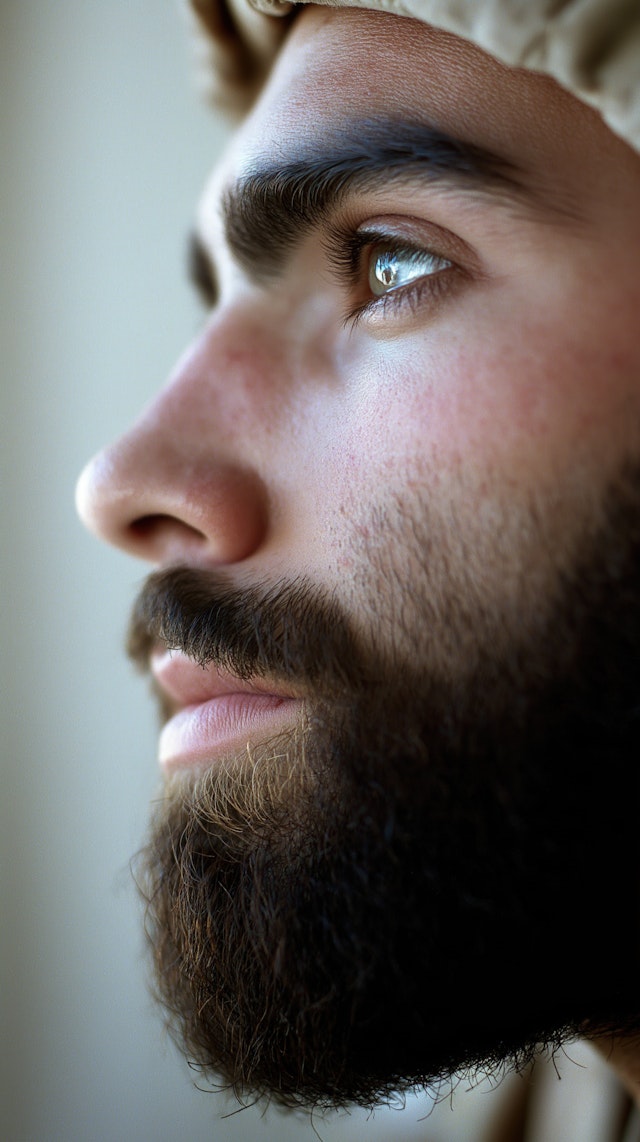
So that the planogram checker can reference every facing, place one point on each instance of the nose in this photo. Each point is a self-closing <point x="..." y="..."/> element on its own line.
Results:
<point x="176" y="487"/>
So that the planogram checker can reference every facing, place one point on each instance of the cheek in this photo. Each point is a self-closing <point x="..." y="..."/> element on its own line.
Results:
<point x="415" y="413"/>
<point x="489" y="417"/>
<point x="520" y="405"/>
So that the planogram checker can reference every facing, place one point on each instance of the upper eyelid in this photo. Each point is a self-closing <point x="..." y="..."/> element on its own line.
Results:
<point x="344" y="245"/>
<point x="270" y="208"/>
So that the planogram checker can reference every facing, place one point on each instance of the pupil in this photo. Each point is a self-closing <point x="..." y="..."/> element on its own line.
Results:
<point x="387" y="272"/>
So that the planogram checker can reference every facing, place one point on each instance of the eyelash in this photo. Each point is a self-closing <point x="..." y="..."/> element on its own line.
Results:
<point x="349" y="252"/>
<point x="346" y="251"/>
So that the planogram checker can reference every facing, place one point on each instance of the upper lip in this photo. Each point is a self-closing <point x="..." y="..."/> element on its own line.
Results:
<point x="185" y="683"/>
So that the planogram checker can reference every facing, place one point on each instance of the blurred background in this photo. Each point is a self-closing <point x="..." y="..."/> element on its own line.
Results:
<point x="105" y="146"/>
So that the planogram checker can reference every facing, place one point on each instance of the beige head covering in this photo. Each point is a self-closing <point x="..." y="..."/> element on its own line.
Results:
<point x="591" y="47"/>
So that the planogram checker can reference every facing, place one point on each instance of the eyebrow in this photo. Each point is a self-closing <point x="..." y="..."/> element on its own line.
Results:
<point x="271" y="207"/>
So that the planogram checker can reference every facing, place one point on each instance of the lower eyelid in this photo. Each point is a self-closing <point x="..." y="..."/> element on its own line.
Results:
<point x="420" y="296"/>
<point x="348" y="247"/>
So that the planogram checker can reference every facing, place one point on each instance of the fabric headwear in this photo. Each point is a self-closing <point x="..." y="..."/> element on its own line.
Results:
<point x="591" y="47"/>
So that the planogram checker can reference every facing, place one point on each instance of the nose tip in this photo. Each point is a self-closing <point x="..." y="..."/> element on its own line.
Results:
<point x="165" y="509"/>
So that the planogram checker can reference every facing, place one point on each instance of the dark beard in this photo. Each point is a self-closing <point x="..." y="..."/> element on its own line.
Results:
<point x="432" y="874"/>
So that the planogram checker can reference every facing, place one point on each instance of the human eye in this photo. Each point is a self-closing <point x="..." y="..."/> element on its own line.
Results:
<point x="201" y="273"/>
<point x="391" y="269"/>
<point x="387" y="275"/>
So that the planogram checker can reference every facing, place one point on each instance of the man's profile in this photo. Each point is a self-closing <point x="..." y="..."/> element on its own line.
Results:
<point x="392" y="494"/>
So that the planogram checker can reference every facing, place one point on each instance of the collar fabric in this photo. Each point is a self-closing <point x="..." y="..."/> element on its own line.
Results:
<point x="590" y="47"/>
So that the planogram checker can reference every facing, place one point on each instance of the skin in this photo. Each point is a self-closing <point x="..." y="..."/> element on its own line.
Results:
<point x="285" y="437"/>
<point x="311" y="429"/>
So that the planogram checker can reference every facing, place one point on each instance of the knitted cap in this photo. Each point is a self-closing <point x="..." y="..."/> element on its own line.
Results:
<point x="591" y="47"/>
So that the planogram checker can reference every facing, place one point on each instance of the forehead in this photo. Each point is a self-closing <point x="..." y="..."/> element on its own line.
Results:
<point x="350" y="61"/>
<point x="340" y="63"/>
<point x="345" y="64"/>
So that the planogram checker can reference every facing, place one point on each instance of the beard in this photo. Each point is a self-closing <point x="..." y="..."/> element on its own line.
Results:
<point x="435" y="870"/>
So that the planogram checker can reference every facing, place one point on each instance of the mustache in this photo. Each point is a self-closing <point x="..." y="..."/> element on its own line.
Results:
<point x="289" y="631"/>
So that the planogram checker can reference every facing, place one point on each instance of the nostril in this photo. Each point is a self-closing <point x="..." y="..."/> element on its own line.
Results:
<point x="143" y="497"/>
<point x="148" y="525"/>
<point x="157" y="536"/>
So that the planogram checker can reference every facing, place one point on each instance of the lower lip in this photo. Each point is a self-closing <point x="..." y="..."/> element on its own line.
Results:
<point x="223" y="727"/>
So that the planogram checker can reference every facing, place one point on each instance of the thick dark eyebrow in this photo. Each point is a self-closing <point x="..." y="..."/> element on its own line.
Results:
<point x="270" y="209"/>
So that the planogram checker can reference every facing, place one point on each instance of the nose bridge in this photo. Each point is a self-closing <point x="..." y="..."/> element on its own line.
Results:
<point x="186" y="480"/>
<point x="232" y="379"/>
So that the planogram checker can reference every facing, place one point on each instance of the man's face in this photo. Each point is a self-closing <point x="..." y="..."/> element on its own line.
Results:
<point x="393" y="487"/>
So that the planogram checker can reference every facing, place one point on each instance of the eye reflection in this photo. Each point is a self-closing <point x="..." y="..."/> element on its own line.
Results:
<point x="391" y="269"/>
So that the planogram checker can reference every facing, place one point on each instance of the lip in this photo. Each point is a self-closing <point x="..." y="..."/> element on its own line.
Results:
<point x="213" y="714"/>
